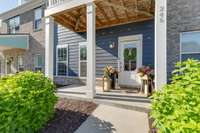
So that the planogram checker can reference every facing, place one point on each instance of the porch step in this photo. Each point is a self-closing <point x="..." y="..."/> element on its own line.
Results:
<point x="137" y="103"/>
<point x="140" y="104"/>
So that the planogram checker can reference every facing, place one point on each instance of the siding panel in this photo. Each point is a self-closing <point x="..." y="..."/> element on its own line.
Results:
<point x="104" y="54"/>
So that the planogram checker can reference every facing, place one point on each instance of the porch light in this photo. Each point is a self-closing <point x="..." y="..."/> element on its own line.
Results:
<point x="112" y="45"/>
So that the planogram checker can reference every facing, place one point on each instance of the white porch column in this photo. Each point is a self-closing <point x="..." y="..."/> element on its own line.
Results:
<point x="49" y="47"/>
<point x="160" y="44"/>
<point x="91" y="49"/>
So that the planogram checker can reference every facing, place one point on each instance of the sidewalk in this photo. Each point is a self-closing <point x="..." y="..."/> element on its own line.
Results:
<point x="109" y="119"/>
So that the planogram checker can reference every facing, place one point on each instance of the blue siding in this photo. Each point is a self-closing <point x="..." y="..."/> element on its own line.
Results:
<point x="105" y="55"/>
<point x="190" y="56"/>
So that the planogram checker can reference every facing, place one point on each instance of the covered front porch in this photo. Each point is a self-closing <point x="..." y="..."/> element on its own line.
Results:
<point x="124" y="98"/>
<point x="91" y="16"/>
<point x="12" y="47"/>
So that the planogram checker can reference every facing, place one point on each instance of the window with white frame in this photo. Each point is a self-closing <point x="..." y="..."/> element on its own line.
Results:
<point x="14" y="25"/>
<point x="20" y="63"/>
<point x="62" y="60"/>
<point x="82" y="60"/>
<point x="38" y="19"/>
<point x="38" y="62"/>
<point x="190" y="45"/>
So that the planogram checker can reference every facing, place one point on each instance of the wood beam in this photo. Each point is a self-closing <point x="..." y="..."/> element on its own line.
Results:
<point x="63" y="23"/>
<point x="122" y="22"/>
<point x="103" y="12"/>
<point x="78" y="18"/>
<point x="98" y="20"/>
<point x="136" y="6"/>
<point x="122" y="1"/>
<point x="114" y="12"/>
<point x="120" y="7"/>
<point x="72" y="17"/>
<point x="67" y="20"/>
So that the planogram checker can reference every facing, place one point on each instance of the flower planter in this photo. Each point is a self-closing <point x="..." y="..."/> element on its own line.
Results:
<point x="106" y="84"/>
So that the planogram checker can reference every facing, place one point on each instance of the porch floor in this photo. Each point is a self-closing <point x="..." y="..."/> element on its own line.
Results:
<point x="124" y="98"/>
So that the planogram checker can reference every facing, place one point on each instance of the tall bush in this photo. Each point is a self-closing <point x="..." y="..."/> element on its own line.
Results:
<point x="176" y="108"/>
<point x="26" y="102"/>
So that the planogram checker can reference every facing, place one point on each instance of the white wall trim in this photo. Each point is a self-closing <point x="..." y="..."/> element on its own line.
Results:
<point x="49" y="47"/>
<point x="66" y="5"/>
<point x="160" y="43"/>
<point x="91" y="50"/>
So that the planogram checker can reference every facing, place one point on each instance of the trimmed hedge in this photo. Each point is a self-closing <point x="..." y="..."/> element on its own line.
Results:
<point x="176" y="108"/>
<point x="26" y="102"/>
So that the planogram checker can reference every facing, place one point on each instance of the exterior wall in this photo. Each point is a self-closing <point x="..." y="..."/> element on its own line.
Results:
<point x="105" y="55"/>
<point x="183" y="15"/>
<point x="190" y="56"/>
<point x="36" y="39"/>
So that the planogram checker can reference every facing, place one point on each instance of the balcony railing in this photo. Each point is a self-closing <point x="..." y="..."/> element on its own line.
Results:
<point x="52" y="3"/>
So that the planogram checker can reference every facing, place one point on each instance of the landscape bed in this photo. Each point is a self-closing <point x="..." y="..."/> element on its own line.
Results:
<point x="69" y="115"/>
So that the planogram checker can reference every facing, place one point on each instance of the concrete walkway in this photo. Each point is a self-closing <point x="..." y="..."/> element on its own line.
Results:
<point x="109" y="119"/>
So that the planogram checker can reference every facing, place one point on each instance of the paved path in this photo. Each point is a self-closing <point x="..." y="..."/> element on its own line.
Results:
<point x="109" y="119"/>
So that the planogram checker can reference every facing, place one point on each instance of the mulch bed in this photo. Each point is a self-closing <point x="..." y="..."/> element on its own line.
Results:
<point x="69" y="115"/>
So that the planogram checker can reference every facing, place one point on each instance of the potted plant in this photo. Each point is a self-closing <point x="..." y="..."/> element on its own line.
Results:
<point x="146" y="73"/>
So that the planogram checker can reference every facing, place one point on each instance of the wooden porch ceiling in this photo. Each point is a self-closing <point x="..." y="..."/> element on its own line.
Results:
<point x="108" y="13"/>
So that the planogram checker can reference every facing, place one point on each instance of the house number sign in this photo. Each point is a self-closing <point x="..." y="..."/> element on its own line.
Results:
<point x="162" y="14"/>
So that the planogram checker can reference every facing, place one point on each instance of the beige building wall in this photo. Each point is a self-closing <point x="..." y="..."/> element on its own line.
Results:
<point x="36" y="38"/>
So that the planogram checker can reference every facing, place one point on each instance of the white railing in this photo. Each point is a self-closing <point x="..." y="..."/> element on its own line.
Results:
<point x="52" y="3"/>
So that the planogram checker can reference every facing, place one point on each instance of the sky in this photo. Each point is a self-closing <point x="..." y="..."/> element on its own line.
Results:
<point x="6" y="5"/>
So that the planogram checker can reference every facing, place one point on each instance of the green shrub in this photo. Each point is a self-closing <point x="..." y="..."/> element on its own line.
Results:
<point x="26" y="102"/>
<point x="176" y="108"/>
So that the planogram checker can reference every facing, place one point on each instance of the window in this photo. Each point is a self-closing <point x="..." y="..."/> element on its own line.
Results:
<point x="130" y="57"/>
<point x="83" y="60"/>
<point x="190" y="45"/>
<point x="20" y="63"/>
<point x="38" y="19"/>
<point x="38" y="62"/>
<point x="62" y="60"/>
<point x="13" y="25"/>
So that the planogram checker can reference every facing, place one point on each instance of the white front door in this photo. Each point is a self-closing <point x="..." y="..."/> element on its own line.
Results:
<point x="130" y="55"/>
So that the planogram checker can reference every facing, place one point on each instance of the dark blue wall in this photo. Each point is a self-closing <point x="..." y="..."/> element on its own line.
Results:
<point x="184" y="57"/>
<point x="104" y="54"/>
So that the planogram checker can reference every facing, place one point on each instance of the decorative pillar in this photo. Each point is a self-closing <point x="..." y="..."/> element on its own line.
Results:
<point x="160" y="43"/>
<point x="91" y="50"/>
<point x="49" y="47"/>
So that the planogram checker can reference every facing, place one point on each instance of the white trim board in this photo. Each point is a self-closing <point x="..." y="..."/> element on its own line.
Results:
<point x="66" y="5"/>
<point x="160" y="43"/>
